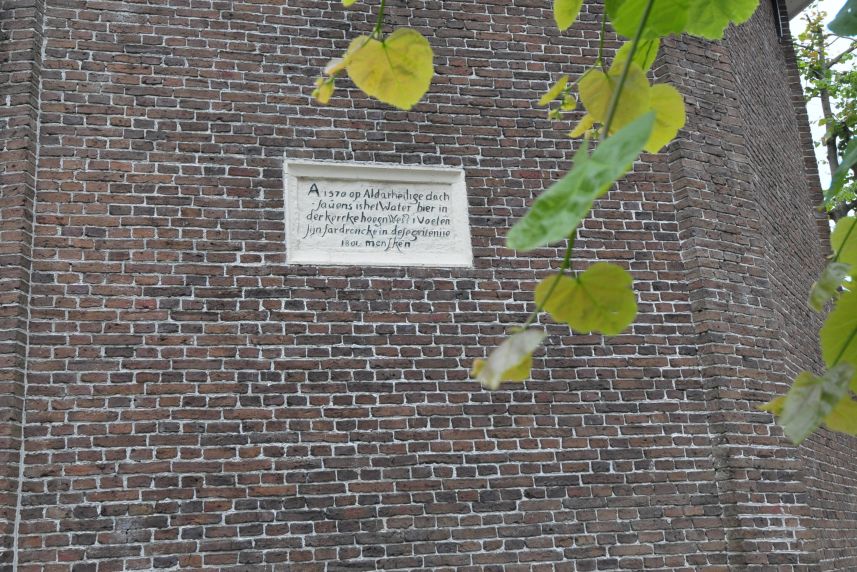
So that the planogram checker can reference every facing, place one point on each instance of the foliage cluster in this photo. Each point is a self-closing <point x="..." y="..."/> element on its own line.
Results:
<point x="831" y="78"/>
<point x="625" y="115"/>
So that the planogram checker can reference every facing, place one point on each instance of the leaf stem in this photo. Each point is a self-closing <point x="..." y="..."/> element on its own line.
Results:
<point x="566" y="264"/>
<point x="379" y="22"/>
<point x="614" y="104"/>
<point x="614" y="99"/>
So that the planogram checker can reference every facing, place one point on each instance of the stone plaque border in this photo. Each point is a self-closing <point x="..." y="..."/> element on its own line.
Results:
<point x="460" y="256"/>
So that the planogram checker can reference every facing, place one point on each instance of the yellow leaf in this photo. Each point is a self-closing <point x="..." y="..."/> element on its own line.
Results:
<point x="596" y="91"/>
<point x="554" y="91"/>
<point x="521" y="371"/>
<point x="397" y="71"/>
<point x="598" y="300"/>
<point x="568" y="103"/>
<point x="510" y="361"/>
<point x="348" y="3"/>
<point x="335" y="66"/>
<point x="323" y="90"/>
<point x="585" y="125"/>
<point x="668" y="106"/>
<point x="843" y="418"/>
<point x="774" y="406"/>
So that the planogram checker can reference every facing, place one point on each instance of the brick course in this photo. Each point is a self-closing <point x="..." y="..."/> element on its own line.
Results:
<point x="193" y="402"/>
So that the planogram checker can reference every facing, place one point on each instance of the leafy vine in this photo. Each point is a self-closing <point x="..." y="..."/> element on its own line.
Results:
<point x="625" y="115"/>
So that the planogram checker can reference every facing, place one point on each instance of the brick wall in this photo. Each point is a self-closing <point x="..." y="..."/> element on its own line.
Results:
<point x="193" y="402"/>
<point x="20" y="40"/>
<point x="827" y="460"/>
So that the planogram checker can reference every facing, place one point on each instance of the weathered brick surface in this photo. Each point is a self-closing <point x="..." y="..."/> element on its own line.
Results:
<point x="20" y="40"/>
<point x="828" y="460"/>
<point x="193" y="402"/>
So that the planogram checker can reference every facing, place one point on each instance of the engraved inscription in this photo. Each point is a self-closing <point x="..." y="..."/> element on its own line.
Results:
<point x="354" y="220"/>
<point x="376" y="217"/>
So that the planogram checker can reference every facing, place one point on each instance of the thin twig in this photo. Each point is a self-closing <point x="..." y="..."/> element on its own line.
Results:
<point x="614" y="102"/>
<point x="566" y="263"/>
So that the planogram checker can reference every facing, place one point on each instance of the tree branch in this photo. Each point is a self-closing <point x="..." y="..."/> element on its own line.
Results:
<point x="840" y="211"/>
<point x="838" y="58"/>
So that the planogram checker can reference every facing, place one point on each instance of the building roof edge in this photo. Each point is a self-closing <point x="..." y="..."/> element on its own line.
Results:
<point x="796" y="6"/>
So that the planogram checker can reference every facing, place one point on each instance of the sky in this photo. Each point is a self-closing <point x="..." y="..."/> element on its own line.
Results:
<point x="814" y="107"/>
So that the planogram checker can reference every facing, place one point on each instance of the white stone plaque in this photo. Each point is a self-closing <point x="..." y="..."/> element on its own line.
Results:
<point x="378" y="215"/>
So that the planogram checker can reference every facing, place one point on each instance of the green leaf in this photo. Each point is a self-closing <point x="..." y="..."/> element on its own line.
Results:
<point x="827" y="285"/>
<point x="667" y="17"/>
<point x="510" y="361"/>
<point x="565" y="12"/>
<point x="668" y="105"/>
<point x="848" y="160"/>
<point x="709" y="18"/>
<point x="845" y="22"/>
<point x="811" y="399"/>
<point x="596" y="91"/>
<point x="644" y="57"/>
<point x="843" y="418"/>
<point x="397" y="71"/>
<point x="554" y="91"/>
<point x="843" y="240"/>
<point x="598" y="300"/>
<point x="560" y="208"/>
<point x="839" y="332"/>
<point x="348" y="3"/>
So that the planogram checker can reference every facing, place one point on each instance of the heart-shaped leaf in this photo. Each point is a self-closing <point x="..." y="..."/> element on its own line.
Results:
<point x="397" y="71"/>
<point x="598" y="300"/>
